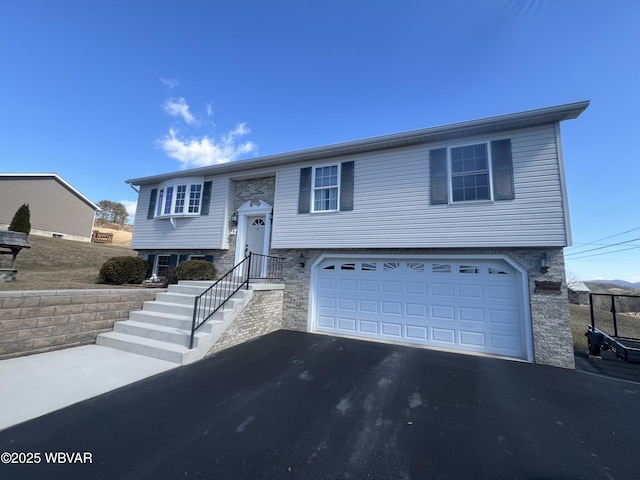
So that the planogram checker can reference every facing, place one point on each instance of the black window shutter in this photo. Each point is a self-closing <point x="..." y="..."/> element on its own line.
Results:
<point x="304" y="198"/>
<point x="502" y="164"/>
<point x="173" y="261"/>
<point x="182" y="258"/>
<point x="346" y="186"/>
<point x="206" y="198"/>
<point x="152" y="204"/>
<point x="151" y="259"/>
<point x="208" y="258"/>
<point x="438" y="176"/>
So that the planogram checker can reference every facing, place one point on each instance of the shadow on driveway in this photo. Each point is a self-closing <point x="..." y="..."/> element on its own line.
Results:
<point x="292" y="405"/>
<point x="609" y="366"/>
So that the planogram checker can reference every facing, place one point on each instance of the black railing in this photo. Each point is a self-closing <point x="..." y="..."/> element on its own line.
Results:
<point x="265" y="267"/>
<point x="252" y="267"/>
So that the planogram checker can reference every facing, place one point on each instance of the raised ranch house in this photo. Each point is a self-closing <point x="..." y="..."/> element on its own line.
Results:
<point x="448" y="237"/>
<point x="57" y="209"/>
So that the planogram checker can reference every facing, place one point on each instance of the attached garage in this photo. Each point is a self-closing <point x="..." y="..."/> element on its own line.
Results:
<point x="468" y="304"/>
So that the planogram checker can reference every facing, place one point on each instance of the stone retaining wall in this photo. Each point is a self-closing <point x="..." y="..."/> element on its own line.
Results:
<point x="261" y="316"/>
<point x="43" y="320"/>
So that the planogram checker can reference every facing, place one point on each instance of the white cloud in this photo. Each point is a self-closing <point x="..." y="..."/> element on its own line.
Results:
<point x="209" y="110"/>
<point x="200" y="152"/>
<point x="179" y="108"/>
<point x="131" y="208"/>
<point x="170" y="82"/>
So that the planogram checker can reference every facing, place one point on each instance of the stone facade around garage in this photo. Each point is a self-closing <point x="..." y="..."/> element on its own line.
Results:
<point x="44" y="320"/>
<point x="551" y="331"/>
<point x="261" y="316"/>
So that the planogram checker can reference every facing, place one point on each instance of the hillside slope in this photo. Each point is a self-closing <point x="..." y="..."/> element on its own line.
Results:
<point x="53" y="264"/>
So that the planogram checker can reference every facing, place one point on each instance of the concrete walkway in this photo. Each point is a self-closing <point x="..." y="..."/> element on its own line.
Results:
<point x="35" y="385"/>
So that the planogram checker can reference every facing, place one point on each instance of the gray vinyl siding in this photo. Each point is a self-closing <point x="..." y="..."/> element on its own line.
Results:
<point x="53" y="207"/>
<point x="392" y="203"/>
<point x="198" y="232"/>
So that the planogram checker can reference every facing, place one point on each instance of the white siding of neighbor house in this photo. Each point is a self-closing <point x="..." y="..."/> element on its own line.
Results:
<point x="392" y="202"/>
<point x="200" y="232"/>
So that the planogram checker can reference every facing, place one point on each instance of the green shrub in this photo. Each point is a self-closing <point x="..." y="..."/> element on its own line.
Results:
<point x="121" y="270"/>
<point x="21" y="221"/>
<point x="196" y="270"/>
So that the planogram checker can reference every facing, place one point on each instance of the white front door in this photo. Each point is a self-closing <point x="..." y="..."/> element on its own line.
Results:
<point x="256" y="227"/>
<point x="255" y="235"/>
<point x="254" y="230"/>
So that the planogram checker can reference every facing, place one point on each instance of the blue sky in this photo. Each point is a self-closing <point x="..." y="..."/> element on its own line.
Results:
<point x="101" y="91"/>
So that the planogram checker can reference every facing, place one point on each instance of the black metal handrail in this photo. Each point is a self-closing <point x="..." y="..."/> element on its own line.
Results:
<point x="265" y="267"/>
<point x="253" y="266"/>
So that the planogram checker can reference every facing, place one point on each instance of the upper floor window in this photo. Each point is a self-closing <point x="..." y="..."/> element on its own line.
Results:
<point x="326" y="188"/>
<point x="482" y="171"/>
<point x="180" y="197"/>
<point x="470" y="173"/>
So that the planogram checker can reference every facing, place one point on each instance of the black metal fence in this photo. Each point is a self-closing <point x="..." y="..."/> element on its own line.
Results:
<point x="618" y="315"/>
<point x="252" y="267"/>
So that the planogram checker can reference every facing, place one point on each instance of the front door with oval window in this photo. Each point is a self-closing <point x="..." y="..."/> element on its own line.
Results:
<point x="255" y="235"/>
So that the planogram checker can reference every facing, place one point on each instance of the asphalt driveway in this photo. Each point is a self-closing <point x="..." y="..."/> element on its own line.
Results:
<point x="292" y="405"/>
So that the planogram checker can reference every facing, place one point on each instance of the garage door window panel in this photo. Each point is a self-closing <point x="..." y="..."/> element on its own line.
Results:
<point x="441" y="268"/>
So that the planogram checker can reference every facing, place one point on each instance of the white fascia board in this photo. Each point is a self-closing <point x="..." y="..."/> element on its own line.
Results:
<point x="483" y="126"/>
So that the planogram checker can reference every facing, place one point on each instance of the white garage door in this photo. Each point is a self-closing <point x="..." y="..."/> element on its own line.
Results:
<point x="459" y="304"/>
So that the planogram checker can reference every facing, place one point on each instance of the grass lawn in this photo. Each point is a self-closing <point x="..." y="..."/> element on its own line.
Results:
<point x="56" y="264"/>
<point x="580" y="320"/>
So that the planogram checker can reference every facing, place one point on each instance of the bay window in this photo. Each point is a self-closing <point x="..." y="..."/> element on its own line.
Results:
<point x="180" y="198"/>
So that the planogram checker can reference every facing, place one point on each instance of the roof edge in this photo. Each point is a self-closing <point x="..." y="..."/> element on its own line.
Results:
<point x="493" y="124"/>
<point x="57" y="177"/>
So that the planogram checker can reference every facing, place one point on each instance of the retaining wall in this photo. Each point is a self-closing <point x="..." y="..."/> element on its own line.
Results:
<point x="261" y="316"/>
<point x="42" y="320"/>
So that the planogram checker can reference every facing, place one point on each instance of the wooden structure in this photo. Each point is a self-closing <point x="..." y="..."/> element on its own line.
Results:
<point x="101" y="237"/>
<point x="10" y="244"/>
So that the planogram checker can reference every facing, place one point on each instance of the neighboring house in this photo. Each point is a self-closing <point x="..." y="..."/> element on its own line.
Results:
<point x="579" y="293"/>
<point x="57" y="209"/>
<point x="432" y="237"/>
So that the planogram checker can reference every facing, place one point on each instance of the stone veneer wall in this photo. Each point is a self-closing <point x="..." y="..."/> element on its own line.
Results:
<point x="261" y="316"/>
<point x="551" y="329"/>
<point x="241" y="192"/>
<point x="43" y="320"/>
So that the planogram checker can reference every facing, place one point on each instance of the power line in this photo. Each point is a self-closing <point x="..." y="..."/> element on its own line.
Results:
<point x="606" y="246"/>
<point x="606" y="238"/>
<point x="604" y="253"/>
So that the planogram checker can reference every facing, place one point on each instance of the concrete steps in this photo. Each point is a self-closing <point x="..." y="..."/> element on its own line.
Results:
<point x="162" y="329"/>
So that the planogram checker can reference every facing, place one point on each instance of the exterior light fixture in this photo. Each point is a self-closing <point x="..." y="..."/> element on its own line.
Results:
<point x="234" y="217"/>
<point x="544" y="263"/>
<point x="302" y="260"/>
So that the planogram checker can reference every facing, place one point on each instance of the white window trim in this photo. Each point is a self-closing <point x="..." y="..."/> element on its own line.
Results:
<point x="156" y="265"/>
<point x="450" y="174"/>
<point x="175" y="183"/>
<point x="338" y="165"/>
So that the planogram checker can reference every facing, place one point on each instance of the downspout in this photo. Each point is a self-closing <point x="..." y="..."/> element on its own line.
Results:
<point x="133" y="188"/>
